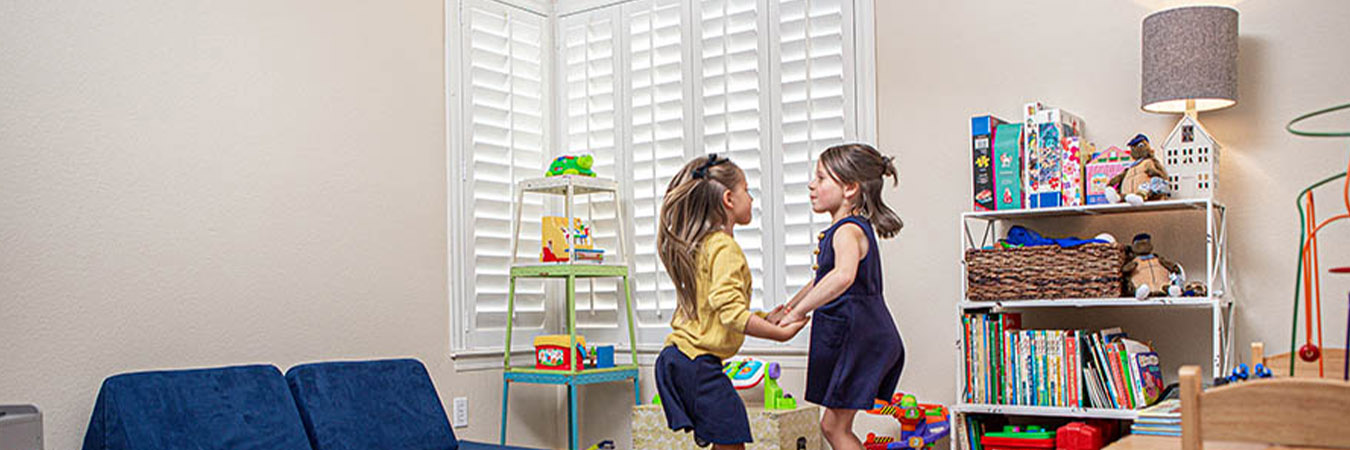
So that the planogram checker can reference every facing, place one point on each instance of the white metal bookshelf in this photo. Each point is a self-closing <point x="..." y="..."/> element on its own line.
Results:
<point x="1045" y="411"/>
<point x="980" y="229"/>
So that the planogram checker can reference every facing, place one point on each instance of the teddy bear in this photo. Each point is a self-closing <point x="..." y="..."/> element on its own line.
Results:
<point x="1145" y="179"/>
<point x="1150" y="274"/>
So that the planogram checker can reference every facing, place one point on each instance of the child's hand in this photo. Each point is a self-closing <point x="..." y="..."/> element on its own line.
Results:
<point x="790" y="317"/>
<point x="792" y="328"/>
<point x="776" y="315"/>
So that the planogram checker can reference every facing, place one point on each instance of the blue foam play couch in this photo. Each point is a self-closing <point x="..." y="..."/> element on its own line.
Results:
<point x="353" y="405"/>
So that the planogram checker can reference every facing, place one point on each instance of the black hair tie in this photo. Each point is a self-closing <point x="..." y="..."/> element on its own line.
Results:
<point x="702" y="171"/>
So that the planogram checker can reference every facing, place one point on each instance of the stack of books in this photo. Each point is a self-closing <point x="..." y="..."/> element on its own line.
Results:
<point x="1060" y="368"/>
<point x="1162" y="419"/>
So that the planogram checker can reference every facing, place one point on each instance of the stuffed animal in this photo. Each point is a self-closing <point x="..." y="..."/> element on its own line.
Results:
<point x="1145" y="179"/>
<point x="1194" y="289"/>
<point x="1150" y="274"/>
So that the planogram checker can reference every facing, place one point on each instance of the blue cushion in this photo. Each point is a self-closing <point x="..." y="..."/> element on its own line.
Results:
<point x="229" y="408"/>
<point x="370" y="405"/>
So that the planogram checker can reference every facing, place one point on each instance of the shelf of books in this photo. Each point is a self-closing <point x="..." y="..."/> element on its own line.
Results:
<point x="1075" y="370"/>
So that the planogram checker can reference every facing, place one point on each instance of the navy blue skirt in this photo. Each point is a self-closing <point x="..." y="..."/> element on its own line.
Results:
<point x="696" y="395"/>
<point x="856" y="353"/>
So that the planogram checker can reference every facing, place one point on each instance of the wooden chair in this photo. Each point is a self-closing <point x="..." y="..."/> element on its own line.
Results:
<point x="1334" y="365"/>
<point x="1289" y="411"/>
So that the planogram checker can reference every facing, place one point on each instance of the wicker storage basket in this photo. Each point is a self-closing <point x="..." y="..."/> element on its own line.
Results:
<point x="1043" y="272"/>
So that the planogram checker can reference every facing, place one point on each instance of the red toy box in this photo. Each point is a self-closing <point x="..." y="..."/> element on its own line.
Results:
<point x="551" y="353"/>
<point x="1015" y="438"/>
<point x="1079" y="436"/>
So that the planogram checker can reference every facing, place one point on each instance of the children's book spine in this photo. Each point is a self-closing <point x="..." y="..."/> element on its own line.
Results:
<point x="1008" y="370"/>
<point x="1040" y="368"/>
<point x="988" y="358"/>
<point x="1118" y="375"/>
<point x="965" y="341"/>
<point x="1076" y="370"/>
<point x="1104" y="369"/>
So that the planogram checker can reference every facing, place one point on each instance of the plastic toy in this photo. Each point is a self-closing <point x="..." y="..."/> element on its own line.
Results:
<point x="1240" y="373"/>
<point x="748" y="373"/>
<point x="1150" y="274"/>
<point x="604" y="356"/>
<point x="1145" y="178"/>
<point x="603" y="445"/>
<point x="1018" y="438"/>
<point x="1194" y="289"/>
<point x="921" y="425"/>
<point x="572" y="165"/>
<point x="1306" y="278"/>
<point x="551" y="353"/>
<point x="1079" y="436"/>
<point x="554" y="235"/>
<point x="596" y="357"/>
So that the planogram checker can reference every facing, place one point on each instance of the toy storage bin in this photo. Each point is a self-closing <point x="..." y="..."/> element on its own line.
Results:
<point x="1045" y="272"/>
<point x="551" y="353"/>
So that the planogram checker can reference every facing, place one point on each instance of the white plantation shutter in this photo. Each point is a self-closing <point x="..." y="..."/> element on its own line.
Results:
<point x="644" y="85"/>
<point x="590" y="102"/>
<point x="734" y="117"/>
<point x="505" y="104"/>
<point x="657" y="149"/>
<point x="815" y="87"/>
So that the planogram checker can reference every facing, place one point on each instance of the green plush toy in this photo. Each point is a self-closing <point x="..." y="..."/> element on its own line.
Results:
<point x="572" y="165"/>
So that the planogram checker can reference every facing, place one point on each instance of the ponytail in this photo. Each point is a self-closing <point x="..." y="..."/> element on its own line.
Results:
<point x="863" y="165"/>
<point x="691" y="210"/>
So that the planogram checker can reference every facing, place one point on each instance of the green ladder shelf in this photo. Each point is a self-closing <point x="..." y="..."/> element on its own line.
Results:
<point x="568" y="186"/>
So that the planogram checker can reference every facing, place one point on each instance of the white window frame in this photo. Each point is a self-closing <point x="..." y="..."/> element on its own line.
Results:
<point x="861" y="126"/>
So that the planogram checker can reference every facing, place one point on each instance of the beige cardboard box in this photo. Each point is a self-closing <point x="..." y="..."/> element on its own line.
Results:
<point x="798" y="429"/>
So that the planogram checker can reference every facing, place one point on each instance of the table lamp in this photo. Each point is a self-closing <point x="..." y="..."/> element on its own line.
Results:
<point x="1189" y="64"/>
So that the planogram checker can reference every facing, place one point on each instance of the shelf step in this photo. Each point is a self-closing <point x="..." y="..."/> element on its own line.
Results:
<point x="554" y="270"/>
<point x="1045" y="411"/>
<point x="1093" y="210"/>
<point x="1170" y="302"/>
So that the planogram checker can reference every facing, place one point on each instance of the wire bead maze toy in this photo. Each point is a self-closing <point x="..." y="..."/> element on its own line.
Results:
<point x="1307" y="279"/>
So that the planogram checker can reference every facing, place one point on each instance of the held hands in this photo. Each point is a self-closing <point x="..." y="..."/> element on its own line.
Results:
<point x="780" y="329"/>
<point x="776" y="315"/>
<point x="793" y="316"/>
<point x="791" y="329"/>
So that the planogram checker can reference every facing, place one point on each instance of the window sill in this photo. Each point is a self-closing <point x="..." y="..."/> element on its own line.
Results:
<point x="480" y="360"/>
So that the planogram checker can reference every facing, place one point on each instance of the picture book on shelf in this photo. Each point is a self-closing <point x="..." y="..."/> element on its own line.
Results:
<point x="1005" y="364"/>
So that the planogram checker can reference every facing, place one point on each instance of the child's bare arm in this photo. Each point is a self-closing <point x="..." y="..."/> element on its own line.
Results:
<point x="781" y="311"/>
<point x="764" y="329"/>
<point x="850" y="245"/>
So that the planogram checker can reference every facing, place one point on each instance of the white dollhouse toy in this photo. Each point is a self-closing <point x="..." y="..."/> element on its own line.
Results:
<point x="1192" y="159"/>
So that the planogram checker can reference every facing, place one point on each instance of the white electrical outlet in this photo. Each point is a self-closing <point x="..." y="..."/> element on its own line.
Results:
<point x="461" y="418"/>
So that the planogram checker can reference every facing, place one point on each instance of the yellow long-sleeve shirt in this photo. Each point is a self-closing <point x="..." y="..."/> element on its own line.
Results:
<point x="723" y="302"/>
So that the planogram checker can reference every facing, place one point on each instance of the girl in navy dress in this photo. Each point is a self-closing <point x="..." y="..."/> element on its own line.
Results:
<point x="705" y="200"/>
<point x="856" y="354"/>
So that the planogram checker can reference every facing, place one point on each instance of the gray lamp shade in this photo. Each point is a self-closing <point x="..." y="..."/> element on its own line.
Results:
<point x="1190" y="53"/>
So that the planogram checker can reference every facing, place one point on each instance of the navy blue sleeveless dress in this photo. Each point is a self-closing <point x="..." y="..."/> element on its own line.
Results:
<point x="856" y="353"/>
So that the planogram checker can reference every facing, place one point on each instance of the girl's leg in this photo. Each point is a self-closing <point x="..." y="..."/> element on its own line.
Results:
<point x="728" y="446"/>
<point x="837" y="426"/>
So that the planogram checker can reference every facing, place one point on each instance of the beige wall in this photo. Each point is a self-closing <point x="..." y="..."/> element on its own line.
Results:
<point x="198" y="183"/>
<point x="192" y="184"/>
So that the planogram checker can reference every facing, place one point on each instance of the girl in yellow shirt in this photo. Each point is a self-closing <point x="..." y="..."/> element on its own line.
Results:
<point x="704" y="201"/>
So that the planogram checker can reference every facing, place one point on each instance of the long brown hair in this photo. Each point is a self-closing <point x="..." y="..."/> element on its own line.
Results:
<point x="691" y="210"/>
<point x="863" y="165"/>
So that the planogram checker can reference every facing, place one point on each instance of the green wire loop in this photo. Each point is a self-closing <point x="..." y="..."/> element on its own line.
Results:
<point x="1298" y="274"/>
<point x="1303" y="218"/>
<point x="1310" y="115"/>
